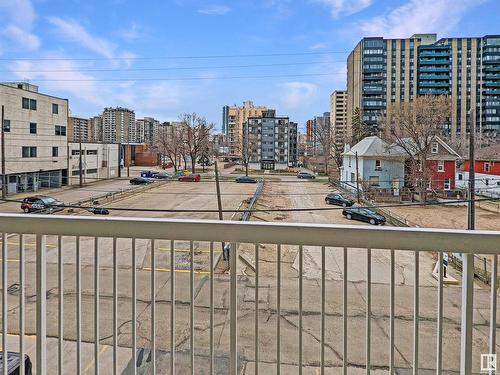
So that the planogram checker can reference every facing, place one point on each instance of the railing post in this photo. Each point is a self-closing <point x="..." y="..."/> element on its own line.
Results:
<point x="467" y="310"/>
<point x="41" y="305"/>
<point x="233" y="261"/>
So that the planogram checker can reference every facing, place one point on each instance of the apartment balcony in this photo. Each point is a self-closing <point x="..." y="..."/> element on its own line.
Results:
<point x="492" y="84"/>
<point x="431" y="91"/>
<point x="434" y="62"/>
<point x="124" y="295"/>
<point x="440" y="53"/>
<point x="432" y="69"/>
<point x="433" y="84"/>
<point x="435" y="76"/>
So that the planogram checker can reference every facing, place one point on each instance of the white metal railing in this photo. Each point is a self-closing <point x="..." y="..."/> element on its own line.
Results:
<point x="166" y="231"/>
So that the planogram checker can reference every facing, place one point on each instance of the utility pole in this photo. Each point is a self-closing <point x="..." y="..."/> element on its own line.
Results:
<point x="80" y="156"/>
<point x="4" y="177"/>
<point x="468" y="266"/>
<point x="357" y="178"/>
<point x="219" y="201"/>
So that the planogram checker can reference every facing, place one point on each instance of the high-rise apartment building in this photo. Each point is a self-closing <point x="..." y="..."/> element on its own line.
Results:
<point x="338" y="118"/>
<point x="79" y="130"/>
<point x="321" y="127"/>
<point x="270" y="141"/>
<point x="118" y="125"/>
<point x="95" y="125"/>
<point x="381" y="72"/>
<point x="233" y="119"/>
<point x="147" y="130"/>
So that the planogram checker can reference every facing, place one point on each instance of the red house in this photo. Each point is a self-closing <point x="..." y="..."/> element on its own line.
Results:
<point x="487" y="160"/>
<point x="441" y="161"/>
<point x="442" y="164"/>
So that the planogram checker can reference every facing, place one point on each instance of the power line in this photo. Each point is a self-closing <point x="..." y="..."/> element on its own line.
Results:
<point x="170" y="57"/>
<point x="306" y="209"/>
<point x="185" y="78"/>
<point x="169" y="68"/>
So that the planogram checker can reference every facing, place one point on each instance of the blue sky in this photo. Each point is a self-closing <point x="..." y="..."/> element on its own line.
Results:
<point x="111" y="52"/>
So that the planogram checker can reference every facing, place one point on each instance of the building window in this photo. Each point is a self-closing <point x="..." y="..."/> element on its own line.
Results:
<point x="440" y="167"/>
<point x="353" y="177"/>
<point x="447" y="184"/>
<point x="6" y="126"/>
<point x="60" y="130"/>
<point x="29" y="104"/>
<point x="92" y="171"/>
<point x="460" y="177"/>
<point x="29" y="152"/>
<point x="55" y="151"/>
<point x="487" y="167"/>
<point x="434" y="147"/>
<point x="373" y="180"/>
<point x="32" y="127"/>
<point x="378" y="165"/>
<point x="55" y="108"/>
<point x="91" y="152"/>
<point x="75" y="152"/>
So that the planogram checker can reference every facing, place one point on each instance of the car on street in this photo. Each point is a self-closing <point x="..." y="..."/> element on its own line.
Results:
<point x="246" y="180"/>
<point x="41" y="203"/>
<point x="339" y="200"/>
<point x="162" y="175"/>
<point x="140" y="181"/>
<point x="364" y="214"/>
<point x="306" y="175"/>
<point x="190" y="178"/>
<point x="148" y="174"/>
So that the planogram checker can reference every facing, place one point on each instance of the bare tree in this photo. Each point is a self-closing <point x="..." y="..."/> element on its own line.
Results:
<point x="249" y="145"/>
<point x="413" y="127"/>
<point x="170" y="142"/>
<point x="323" y="136"/>
<point x="197" y="137"/>
<point x="360" y="129"/>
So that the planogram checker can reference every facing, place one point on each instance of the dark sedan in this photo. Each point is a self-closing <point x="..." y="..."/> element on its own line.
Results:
<point x="41" y="203"/>
<point x="339" y="200"/>
<point x="364" y="214"/>
<point x="140" y="181"/>
<point x="246" y="180"/>
<point x="306" y="175"/>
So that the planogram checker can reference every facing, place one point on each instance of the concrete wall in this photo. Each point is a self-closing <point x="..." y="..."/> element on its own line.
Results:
<point x="99" y="161"/>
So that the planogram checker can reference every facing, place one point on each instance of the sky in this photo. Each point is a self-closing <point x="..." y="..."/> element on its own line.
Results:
<point x="167" y="57"/>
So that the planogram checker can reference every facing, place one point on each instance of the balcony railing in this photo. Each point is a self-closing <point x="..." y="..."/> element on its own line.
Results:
<point x="138" y="288"/>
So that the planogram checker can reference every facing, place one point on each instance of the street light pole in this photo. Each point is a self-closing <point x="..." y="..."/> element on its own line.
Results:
<point x="4" y="177"/>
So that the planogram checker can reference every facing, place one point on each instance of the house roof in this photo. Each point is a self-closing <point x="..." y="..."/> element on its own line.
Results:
<point x="490" y="153"/>
<point x="375" y="147"/>
<point x="413" y="148"/>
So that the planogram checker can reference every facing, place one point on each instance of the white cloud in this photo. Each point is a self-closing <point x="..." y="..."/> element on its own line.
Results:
<point x="298" y="93"/>
<point x="419" y="16"/>
<point x="132" y="33"/>
<point x="23" y="38"/>
<point x="215" y="10"/>
<point x="317" y="46"/>
<point x="19" y="17"/>
<point x="73" y="31"/>
<point x="345" y="7"/>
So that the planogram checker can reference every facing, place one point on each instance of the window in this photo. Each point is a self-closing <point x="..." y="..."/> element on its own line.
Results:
<point x="29" y="152"/>
<point x="6" y="126"/>
<point x="60" y="130"/>
<point x="91" y="152"/>
<point x="434" y="147"/>
<point x="55" y="151"/>
<point x="32" y="127"/>
<point x="373" y="180"/>
<point x="349" y="159"/>
<point x="29" y="104"/>
<point x="487" y="167"/>
<point x="75" y="152"/>
<point x="378" y="165"/>
<point x="55" y="108"/>
<point x="440" y="167"/>
<point x="353" y="177"/>
<point x="460" y="177"/>
<point x="94" y="170"/>
<point x="447" y="184"/>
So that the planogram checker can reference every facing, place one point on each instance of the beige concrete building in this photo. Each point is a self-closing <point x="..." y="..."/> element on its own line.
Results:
<point x="338" y="117"/>
<point x="95" y="125"/>
<point x="99" y="161"/>
<point x="35" y="126"/>
<point x="233" y="119"/>
<point x="118" y="125"/>
<point x="147" y="130"/>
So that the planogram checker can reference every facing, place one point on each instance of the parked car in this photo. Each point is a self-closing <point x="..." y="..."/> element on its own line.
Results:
<point x="99" y="211"/>
<point x="167" y="165"/>
<point x="363" y="214"/>
<point x="148" y="174"/>
<point x="306" y="175"/>
<point x="191" y="177"/>
<point x="41" y="203"/>
<point x="162" y="175"/>
<point x="339" y="200"/>
<point x="246" y="180"/>
<point x="140" y="181"/>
